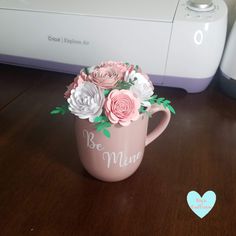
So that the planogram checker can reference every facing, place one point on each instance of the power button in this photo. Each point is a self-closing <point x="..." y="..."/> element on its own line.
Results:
<point x="200" y="5"/>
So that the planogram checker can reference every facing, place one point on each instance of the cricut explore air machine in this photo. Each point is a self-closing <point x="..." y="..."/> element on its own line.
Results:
<point x="228" y="65"/>
<point x="179" y="43"/>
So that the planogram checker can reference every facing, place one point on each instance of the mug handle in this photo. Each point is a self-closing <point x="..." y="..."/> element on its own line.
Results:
<point x="161" y="126"/>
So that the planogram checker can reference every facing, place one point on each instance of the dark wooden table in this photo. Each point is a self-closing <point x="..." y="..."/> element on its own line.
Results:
<point x="44" y="189"/>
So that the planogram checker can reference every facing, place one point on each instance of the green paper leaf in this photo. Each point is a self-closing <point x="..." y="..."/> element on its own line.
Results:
<point x="152" y="101"/>
<point x="153" y="97"/>
<point x="99" y="127"/>
<point x="59" y="110"/>
<point x="171" y="109"/>
<point x="166" y="103"/>
<point x="160" y="100"/>
<point x="100" y="119"/>
<point x="124" y="85"/>
<point x="86" y="70"/>
<point x="55" y="112"/>
<point x="106" y="92"/>
<point x="142" y="109"/>
<point x="102" y="125"/>
<point x="106" y="133"/>
<point x="107" y="124"/>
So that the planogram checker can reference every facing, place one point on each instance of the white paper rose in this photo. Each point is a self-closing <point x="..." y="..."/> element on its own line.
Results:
<point x="142" y="88"/>
<point x="86" y="101"/>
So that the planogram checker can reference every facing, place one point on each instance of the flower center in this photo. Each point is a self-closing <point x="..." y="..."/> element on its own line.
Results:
<point x="122" y="106"/>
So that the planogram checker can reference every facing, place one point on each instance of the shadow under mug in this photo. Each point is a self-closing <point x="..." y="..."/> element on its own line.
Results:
<point x="118" y="157"/>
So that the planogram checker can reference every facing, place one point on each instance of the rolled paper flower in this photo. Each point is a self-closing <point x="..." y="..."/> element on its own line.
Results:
<point x="106" y="75"/>
<point x="86" y="101"/>
<point x="122" y="107"/>
<point x="77" y="81"/>
<point x="120" y="65"/>
<point x="142" y="87"/>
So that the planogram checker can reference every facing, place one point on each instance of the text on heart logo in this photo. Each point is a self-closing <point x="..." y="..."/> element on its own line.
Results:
<point x="201" y="206"/>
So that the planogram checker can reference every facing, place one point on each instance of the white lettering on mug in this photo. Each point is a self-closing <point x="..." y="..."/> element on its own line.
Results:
<point x="90" y="141"/>
<point x="120" y="158"/>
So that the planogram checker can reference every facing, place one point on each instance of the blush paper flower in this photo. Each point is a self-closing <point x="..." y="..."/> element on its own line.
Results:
<point x="107" y="74"/>
<point x="122" y="107"/>
<point x="77" y="81"/>
<point x="111" y="92"/>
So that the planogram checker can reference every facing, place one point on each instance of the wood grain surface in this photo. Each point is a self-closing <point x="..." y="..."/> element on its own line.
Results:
<point x="44" y="189"/>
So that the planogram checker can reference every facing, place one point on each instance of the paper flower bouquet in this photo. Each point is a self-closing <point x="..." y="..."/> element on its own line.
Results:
<point x="112" y="103"/>
<point x="111" y="93"/>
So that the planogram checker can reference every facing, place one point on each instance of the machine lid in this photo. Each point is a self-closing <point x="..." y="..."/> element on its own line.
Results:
<point x="151" y="10"/>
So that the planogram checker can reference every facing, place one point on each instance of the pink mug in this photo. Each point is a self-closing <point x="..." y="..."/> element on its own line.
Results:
<point x="116" y="158"/>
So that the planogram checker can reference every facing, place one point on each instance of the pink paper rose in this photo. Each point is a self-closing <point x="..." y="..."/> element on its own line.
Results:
<point x="107" y="74"/>
<point x="122" y="107"/>
<point x="77" y="81"/>
<point x="122" y="66"/>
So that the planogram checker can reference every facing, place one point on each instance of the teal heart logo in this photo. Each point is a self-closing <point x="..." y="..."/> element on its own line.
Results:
<point x="201" y="206"/>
